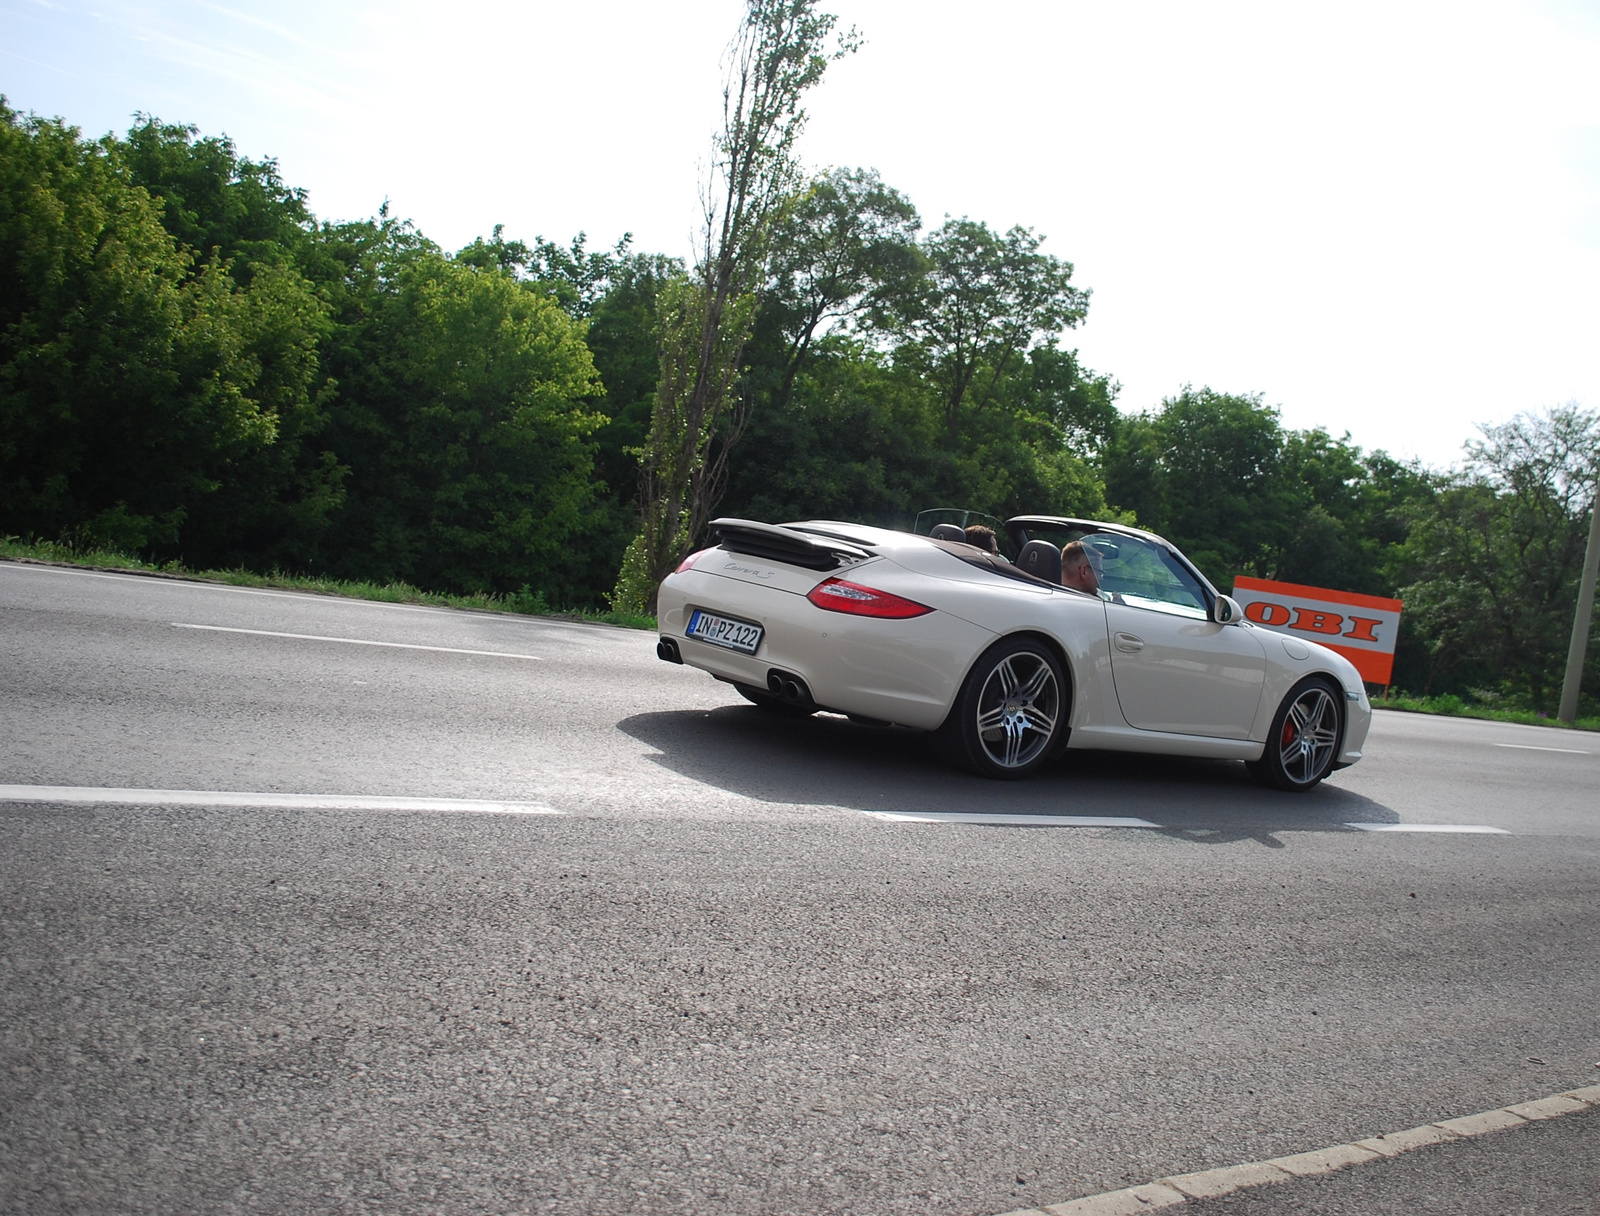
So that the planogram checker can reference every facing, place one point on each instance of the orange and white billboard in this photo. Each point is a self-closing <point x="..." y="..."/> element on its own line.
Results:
<point x="1363" y="628"/>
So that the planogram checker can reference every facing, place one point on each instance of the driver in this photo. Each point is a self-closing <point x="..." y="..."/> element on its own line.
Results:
<point x="1080" y="570"/>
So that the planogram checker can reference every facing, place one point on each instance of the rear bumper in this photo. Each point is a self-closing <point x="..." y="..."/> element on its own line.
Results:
<point x="902" y="671"/>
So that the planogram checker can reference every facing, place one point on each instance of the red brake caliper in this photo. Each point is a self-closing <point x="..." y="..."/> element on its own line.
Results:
<point x="1288" y="733"/>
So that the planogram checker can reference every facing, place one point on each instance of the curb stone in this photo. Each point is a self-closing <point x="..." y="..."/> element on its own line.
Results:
<point x="1208" y="1184"/>
<point x="1323" y="1160"/>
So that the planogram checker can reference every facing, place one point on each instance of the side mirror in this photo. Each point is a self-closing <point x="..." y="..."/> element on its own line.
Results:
<point x="1226" y="611"/>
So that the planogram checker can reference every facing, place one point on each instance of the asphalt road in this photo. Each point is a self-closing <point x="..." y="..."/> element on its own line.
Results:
<point x="735" y="973"/>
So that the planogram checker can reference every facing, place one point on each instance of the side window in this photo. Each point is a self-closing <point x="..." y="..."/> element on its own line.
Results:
<point x="1147" y="576"/>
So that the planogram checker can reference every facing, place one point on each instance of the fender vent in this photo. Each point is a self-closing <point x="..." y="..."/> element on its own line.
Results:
<point x="776" y="544"/>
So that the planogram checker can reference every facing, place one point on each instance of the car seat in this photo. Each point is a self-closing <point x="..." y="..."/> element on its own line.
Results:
<point x="1041" y="559"/>
<point x="947" y="532"/>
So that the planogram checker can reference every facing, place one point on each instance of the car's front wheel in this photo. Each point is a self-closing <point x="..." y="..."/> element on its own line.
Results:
<point x="1304" y="739"/>
<point x="1010" y="710"/>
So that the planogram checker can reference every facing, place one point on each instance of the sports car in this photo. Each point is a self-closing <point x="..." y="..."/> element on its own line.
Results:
<point x="933" y="633"/>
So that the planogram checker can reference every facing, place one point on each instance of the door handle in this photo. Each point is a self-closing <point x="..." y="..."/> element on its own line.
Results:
<point x="1129" y="642"/>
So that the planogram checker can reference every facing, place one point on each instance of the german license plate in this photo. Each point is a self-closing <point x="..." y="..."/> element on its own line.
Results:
<point x="720" y="631"/>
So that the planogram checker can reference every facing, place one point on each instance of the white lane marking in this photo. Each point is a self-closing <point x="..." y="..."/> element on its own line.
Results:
<point x="1471" y="829"/>
<point x="1023" y="821"/>
<point x="1110" y="821"/>
<point x="1533" y="747"/>
<point x="318" y="596"/>
<point x="315" y="637"/>
<point x="97" y="795"/>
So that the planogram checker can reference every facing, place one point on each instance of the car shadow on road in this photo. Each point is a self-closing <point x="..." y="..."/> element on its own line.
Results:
<point x="828" y="760"/>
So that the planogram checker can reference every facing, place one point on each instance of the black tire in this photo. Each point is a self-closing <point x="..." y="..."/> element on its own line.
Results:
<point x="772" y="704"/>
<point x="1011" y="710"/>
<point x="1304" y="740"/>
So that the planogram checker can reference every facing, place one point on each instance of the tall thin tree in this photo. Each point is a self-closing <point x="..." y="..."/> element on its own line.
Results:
<point x="779" y="52"/>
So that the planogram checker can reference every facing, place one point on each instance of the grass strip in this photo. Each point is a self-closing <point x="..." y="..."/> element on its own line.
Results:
<point x="1453" y="706"/>
<point x="521" y="603"/>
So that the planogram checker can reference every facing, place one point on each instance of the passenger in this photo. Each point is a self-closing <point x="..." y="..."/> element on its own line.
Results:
<point x="1080" y="570"/>
<point x="983" y="537"/>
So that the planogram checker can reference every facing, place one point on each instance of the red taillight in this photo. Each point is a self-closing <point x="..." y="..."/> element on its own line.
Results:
<point x="836" y="595"/>
<point x="690" y="560"/>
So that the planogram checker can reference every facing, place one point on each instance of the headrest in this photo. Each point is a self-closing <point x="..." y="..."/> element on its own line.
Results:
<point x="947" y="532"/>
<point x="1041" y="559"/>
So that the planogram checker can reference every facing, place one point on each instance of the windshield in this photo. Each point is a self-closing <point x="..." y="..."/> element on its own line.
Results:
<point x="1133" y="571"/>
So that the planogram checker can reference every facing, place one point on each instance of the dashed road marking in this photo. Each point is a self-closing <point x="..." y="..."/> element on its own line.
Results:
<point x="1114" y="821"/>
<point x="316" y="637"/>
<point x="1470" y="829"/>
<point x="100" y="796"/>
<point x="1207" y="1184"/>
<point x="1012" y="821"/>
<point x="1534" y="747"/>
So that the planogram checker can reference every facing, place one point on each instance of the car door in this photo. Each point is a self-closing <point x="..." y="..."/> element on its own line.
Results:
<point x="1175" y="669"/>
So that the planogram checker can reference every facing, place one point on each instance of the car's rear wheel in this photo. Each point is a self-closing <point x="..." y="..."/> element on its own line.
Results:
<point x="772" y="704"/>
<point x="1010" y="710"/>
<point x="1304" y="740"/>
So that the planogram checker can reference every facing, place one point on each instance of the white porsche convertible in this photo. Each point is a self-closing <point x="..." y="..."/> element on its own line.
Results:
<point x="933" y="633"/>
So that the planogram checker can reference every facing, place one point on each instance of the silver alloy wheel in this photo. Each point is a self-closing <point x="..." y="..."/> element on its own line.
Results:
<point x="1308" y="736"/>
<point x="1017" y="710"/>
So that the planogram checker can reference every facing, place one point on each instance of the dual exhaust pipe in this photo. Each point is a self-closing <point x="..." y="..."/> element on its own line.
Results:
<point x="786" y="686"/>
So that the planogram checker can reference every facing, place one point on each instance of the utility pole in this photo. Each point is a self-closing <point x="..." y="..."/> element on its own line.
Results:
<point x="1580" y="622"/>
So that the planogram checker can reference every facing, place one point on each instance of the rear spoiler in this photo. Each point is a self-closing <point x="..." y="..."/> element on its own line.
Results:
<point x="793" y="548"/>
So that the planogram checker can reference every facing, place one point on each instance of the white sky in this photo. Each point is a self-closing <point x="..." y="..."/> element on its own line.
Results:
<point x="1385" y="217"/>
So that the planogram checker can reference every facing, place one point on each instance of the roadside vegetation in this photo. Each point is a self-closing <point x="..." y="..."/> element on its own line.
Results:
<point x="1482" y="706"/>
<point x="198" y="372"/>
<point x="524" y="602"/>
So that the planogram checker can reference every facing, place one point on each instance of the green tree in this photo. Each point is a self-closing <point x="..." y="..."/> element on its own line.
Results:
<point x="1207" y="471"/>
<point x="1030" y="447"/>
<point x="1348" y="512"/>
<point x="1074" y="406"/>
<point x="864" y="439"/>
<point x="462" y="413"/>
<point x="857" y="443"/>
<point x="613" y="291"/>
<point x="214" y="201"/>
<point x="844" y="245"/>
<point x="982" y="304"/>
<point x="578" y="277"/>
<point x="623" y="336"/>
<point x="273" y="504"/>
<point x="705" y="319"/>
<point x="1496" y="554"/>
<point x="133" y="375"/>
